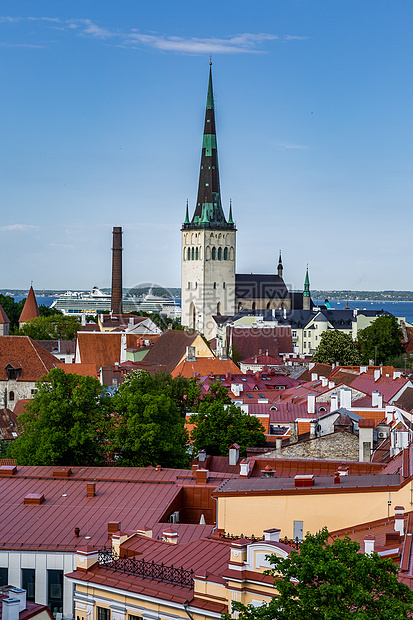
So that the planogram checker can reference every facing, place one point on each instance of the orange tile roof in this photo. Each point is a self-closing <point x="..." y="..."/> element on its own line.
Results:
<point x="86" y="370"/>
<point x="204" y="366"/>
<point x="3" y="316"/>
<point x="33" y="359"/>
<point x="102" y="348"/>
<point x="30" y="308"/>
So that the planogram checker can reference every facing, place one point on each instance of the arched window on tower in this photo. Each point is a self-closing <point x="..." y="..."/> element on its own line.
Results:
<point x="268" y="305"/>
<point x="196" y="254"/>
<point x="225" y="253"/>
<point x="189" y="253"/>
<point x="219" y="308"/>
<point x="213" y="253"/>
<point x="253" y="305"/>
<point x="215" y="285"/>
<point x="193" y="254"/>
<point x="219" y="253"/>
<point x="11" y="395"/>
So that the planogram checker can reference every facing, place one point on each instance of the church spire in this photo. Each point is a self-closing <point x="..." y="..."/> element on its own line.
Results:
<point x="306" y="293"/>
<point x="208" y="210"/>
<point x="280" y="267"/>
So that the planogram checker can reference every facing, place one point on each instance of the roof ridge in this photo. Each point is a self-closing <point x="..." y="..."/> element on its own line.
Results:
<point x="37" y="352"/>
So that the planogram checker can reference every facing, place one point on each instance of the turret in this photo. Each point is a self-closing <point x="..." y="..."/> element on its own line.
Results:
<point x="30" y="308"/>
<point x="280" y="267"/>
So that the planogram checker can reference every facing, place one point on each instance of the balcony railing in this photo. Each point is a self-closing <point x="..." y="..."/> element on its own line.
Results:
<point x="148" y="570"/>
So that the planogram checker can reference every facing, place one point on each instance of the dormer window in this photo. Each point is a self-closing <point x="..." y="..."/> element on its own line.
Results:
<point x="13" y="370"/>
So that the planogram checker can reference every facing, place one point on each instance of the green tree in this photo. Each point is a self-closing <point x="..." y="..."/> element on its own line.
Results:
<point x="381" y="340"/>
<point x="54" y="327"/>
<point x="13" y="309"/>
<point x="185" y="393"/>
<point x="66" y="423"/>
<point x="149" y="426"/>
<point x="332" y="580"/>
<point x="48" y="311"/>
<point x="218" y="425"/>
<point x="336" y="346"/>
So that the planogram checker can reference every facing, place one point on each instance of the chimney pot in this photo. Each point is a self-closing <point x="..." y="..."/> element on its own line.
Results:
<point x="90" y="489"/>
<point x="21" y="595"/>
<point x="369" y="541"/>
<point x="113" y="526"/>
<point x="77" y="532"/>
<point x="158" y="468"/>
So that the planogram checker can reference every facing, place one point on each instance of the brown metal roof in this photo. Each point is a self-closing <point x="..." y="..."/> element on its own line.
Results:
<point x="132" y="496"/>
<point x="366" y="482"/>
<point x="170" y="348"/>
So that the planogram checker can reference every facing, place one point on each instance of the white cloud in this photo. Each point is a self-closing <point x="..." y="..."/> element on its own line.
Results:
<point x="288" y="146"/>
<point x="242" y="43"/>
<point x="293" y="37"/>
<point x="18" y="227"/>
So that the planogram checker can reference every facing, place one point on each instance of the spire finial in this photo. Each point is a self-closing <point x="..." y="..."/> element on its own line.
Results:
<point x="187" y="213"/>
<point x="210" y="60"/>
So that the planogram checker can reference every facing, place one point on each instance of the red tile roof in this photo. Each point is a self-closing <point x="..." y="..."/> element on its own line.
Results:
<point x="20" y="405"/>
<point x="30" y="308"/>
<point x="203" y="366"/>
<point x="3" y="316"/>
<point x="33" y="359"/>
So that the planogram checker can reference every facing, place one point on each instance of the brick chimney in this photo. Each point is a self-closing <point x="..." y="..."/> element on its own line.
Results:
<point x="116" y="294"/>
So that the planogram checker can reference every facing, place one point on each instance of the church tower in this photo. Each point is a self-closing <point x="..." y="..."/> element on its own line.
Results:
<point x="208" y="242"/>
<point x="307" y="293"/>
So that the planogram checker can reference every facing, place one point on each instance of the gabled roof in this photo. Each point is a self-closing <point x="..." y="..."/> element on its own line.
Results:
<point x="3" y="316"/>
<point x="250" y="341"/>
<point x="33" y="360"/>
<point x="170" y="348"/>
<point x="260" y="286"/>
<point x="30" y="308"/>
<point x="203" y="366"/>
<point x="102" y="348"/>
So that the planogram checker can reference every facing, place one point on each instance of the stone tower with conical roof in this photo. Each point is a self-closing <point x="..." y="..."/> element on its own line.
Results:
<point x="208" y="242"/>
<point x="30" y="309"/>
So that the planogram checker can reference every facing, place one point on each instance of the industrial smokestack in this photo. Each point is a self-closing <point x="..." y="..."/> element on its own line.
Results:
<point x="116" y="299"/>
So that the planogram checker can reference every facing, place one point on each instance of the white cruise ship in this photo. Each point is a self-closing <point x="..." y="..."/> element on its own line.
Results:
<point x="76" y="304"/>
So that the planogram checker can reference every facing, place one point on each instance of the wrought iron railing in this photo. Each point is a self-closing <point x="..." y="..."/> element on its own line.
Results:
<point x="148" y="570"/>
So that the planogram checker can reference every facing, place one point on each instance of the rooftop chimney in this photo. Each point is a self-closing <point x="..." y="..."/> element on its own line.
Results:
<point x="90" y="489"/>
<point x="272" y="534"/>
<point x="399" y="520"/>
<point x="376" y="399"/>
<point x="21" y="595"/>
<point x="369" y="541"/>
<point x="116" y="297"/>
<point x="233" y="454"/>
<point x="10" y="608"/>
<point x="324" y="381"/>
<point x="345" y="398"/>
<point x="334" y="402"/>
<point x="377" y="374"/>
<point x="201" y="456"/>
<point x="170" y="536"/>
<point x="311" y="403"/>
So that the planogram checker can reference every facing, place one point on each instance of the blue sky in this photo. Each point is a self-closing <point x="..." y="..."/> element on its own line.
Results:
<point x="102" y="107"/>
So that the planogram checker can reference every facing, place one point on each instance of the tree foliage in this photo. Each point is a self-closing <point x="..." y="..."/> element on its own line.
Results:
<point x="336" y="346"/>
<point x="218" y="425"/>
<point x="66" y="423"/>
<point x="53" y="327"/>
<point x="13" y="309"/>
<point x="150" y="428"/>
<point x="381" y="341"/>
<point x="48" y="311"/>
<point x="332" y="580"/>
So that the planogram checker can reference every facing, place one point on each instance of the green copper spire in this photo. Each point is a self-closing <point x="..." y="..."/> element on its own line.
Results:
<point x="230" y="220"/>
<point x="306" y="292"/>
<point x="187" y="214"/>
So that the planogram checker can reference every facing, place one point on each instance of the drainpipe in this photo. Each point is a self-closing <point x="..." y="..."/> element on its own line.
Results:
<point x="216" y="513"/>
<point x="185" y="606"/>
